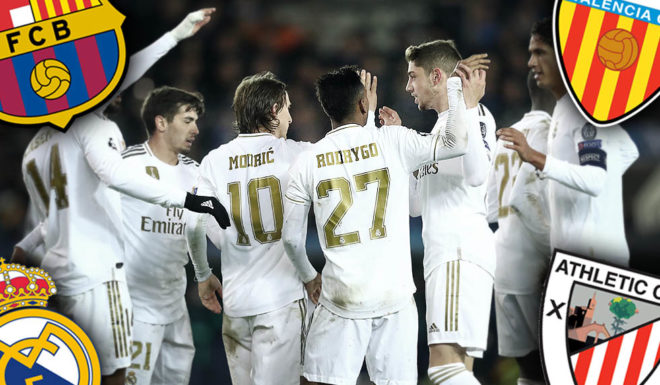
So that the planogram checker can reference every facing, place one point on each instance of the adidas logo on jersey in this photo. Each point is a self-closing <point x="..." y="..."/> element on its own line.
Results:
<point x="208" y="204"/>
<point x="433" y="328"/>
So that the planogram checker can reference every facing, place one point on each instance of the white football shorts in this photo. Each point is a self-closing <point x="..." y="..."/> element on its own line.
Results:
<point x="458" y="297"/>
<point x="336" y="347"/>
<point x="517" y="323"/>
<point x="162" y="354"/>
<point x="105" y="314"/>
<point x="266" y="348"/>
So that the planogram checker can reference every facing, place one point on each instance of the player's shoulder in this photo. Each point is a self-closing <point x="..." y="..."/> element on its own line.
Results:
<point x="188" y="162"/>
<point x="485" y="115"/>
<point x="133" y="151"/>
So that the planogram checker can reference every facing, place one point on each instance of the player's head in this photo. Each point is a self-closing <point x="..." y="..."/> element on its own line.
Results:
<point x="542" y="59"/>
<point x="171" y="114"/>
<point x="261" y="104"/>
<point x="114" y="107"/>
<point x="343" y="97"/>
<point x="429" y="66"/>
<point x="541" y="98"/>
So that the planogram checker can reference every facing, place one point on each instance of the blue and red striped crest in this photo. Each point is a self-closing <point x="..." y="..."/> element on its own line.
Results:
<point x="600" y="324"/>
<point x="58" y="58"/>
<point x="609" y="56"/>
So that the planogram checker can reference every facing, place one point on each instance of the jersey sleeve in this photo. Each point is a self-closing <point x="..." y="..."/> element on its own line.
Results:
<point x="492" y="205"/>
<point x="299" y="191"/>
<point x="476" y="161"/>
<point x="414" y="198"/>
<point x="99" y="146"/>
<point x="590" y="174"/>
<point x="141" y="61"/>
<point x="417" y="149"/>
<point x="206" y="185"/>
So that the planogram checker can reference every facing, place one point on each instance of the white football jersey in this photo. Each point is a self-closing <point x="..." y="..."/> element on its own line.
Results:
<point x="453" y="213"/>
<point x="356" y="179"/>
<point x="248" y="175"/>
<point x="155" y="242"/>
<point x="522" y="241"/>
<point x="586" y="165"/>
<point x="82" y="243"/>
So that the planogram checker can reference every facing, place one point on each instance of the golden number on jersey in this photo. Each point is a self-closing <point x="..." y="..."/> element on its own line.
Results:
<point x="378" y="229"/>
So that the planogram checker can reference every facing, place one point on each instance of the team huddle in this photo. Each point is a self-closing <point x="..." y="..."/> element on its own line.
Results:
<point x="114" y="226"/>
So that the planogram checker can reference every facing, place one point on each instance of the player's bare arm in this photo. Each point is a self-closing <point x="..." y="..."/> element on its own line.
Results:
<point x="207" y="293"/>
<point x="313" y="288"/>
<point x="518" y="143"/>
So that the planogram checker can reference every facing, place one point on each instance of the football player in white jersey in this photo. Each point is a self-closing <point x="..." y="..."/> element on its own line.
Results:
<point x="584" y="165"/>
<point x="155" y="241"/>
<point x="459" y="251"/>
<point x="264" y="300"/>
<point x="518" y="201"/>
<point x="356" y="178"/>
<point x="74" y="179"/>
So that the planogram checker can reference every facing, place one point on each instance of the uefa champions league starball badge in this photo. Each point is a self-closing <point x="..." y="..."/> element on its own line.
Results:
<point x="600" y="324"/>
<point x="608" y="55"/>
<point x="58" y="59"/>
<point x="37" y="345"/>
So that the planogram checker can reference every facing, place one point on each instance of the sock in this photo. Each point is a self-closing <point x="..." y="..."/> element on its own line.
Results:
<point x="452" y="374"/>
<point x="527" y="381"/>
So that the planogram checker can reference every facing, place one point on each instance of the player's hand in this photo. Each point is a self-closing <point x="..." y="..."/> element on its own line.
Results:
<point x="479" y="61"/>
<point x="313" y="288"/>
<point x="474" y="84"/>
<point x="192" y="23"/>
<point x="208" y="205"/>
<point x="388" y="117"/>
<point x="370" y="83"/>
<point x="207" y="293"/>
<point x="518" y="143"/>
<point x="18" y="256"/>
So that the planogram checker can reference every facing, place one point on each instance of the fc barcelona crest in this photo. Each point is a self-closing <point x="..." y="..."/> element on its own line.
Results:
<point x="608" y="55"/>
<point x="58" y="58"/>
<point x="600" y="324"/>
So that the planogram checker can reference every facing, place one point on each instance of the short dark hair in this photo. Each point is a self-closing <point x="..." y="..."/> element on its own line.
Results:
<point x="253" y="101"/>
<point x="166" y="101"/>
<point x="339" y="91"/>
<point x="543" y="29"/>
<point x="434" y="54"/>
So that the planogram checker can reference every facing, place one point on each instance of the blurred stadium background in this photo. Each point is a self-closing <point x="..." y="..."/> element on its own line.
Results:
<point x="298" y="41"/>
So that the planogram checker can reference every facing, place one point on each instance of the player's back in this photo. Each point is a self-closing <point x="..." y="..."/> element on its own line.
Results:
<point x="83" y="214"/>
<point x="522" y="241"/>
<point x="583" y="223"/>
<point x="357" y="179"/>
<point x="249" y="176"/>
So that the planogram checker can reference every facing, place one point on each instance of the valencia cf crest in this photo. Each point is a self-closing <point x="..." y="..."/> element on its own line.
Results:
<point x="600" y="324"/>
<point x="608" y="55"/>
<point x="58" y="58"/>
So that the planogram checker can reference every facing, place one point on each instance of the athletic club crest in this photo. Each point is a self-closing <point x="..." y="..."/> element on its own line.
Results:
<point x="609" y="56"/>
<point x="600" y="324"/>
<point x="58" y="58"/>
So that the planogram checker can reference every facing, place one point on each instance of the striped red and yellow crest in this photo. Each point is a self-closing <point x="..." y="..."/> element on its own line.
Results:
<point x="58" y="59"/>
<point x="609" y="55"/>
